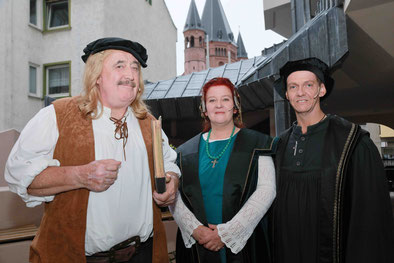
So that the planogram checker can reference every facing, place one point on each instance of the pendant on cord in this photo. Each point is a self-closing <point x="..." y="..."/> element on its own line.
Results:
<point x="214" y="162"/>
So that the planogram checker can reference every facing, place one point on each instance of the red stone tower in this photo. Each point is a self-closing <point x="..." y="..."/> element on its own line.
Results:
<point x="215" y="28"/>
<point x="194" y="35"/>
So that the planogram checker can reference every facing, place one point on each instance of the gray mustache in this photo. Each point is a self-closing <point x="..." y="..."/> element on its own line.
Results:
<point x="127" y="83"/>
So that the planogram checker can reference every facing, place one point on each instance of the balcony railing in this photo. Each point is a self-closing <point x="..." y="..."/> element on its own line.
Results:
<point x="388" y="162"/>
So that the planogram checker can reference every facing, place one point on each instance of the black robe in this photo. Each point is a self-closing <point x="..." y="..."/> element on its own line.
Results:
<point x="240" y="181"/>
<point x="338" y="209"/>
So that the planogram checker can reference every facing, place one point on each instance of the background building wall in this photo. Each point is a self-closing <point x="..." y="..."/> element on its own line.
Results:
<point x="151" y="26"/>
<point x="23" y="44"/>
<point x="374" y="134"/>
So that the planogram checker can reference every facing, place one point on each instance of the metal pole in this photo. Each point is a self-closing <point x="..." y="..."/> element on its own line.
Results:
<point x="207" y="57"/>
<point x="282" y="114"/>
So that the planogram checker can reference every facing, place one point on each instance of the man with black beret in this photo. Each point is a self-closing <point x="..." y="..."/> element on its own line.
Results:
<point x="332" y="201"/>
<point x="89" y="158"/>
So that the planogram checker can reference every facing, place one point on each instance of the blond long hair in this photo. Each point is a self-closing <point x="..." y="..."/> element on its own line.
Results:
<point x="90" y="96"/>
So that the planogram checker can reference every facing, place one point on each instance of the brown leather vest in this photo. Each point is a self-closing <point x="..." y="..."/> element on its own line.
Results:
<point x="61" y="236"/>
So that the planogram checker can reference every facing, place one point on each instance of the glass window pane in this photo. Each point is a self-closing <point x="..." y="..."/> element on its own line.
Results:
<point x="58" y="80"/>
<point x="57" y="13"/>
<point x="32" y="80"/>
<point x="33" y="12"/>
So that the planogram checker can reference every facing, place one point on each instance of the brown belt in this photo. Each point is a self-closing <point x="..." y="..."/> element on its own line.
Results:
<point x="121" y="252"/>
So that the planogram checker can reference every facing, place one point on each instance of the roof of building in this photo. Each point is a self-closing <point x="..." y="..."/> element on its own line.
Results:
<point x="179" y="98"/>
<point x="215" y="22"/>
<point x="193" y="20"/>
<point x="241" y="51"/>
<point x="190" y="85"/>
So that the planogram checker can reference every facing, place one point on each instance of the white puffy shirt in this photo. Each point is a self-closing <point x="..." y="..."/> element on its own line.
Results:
<point x="123" y="210"/>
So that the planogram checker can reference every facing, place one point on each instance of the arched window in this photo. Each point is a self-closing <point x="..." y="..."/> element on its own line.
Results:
<point x="200" y="41"/>
<point x="186" y="42"/>
<point x="225" y="52"/>
<point x="221" y="63"/>
<point x="192" y="41"/>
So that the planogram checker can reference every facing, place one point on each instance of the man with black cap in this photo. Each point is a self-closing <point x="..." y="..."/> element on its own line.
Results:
<point x="90" y="159"/>
<point x="332" y="201"/>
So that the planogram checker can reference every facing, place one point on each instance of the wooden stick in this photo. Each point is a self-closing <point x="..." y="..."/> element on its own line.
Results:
<point x="157" y="142"/>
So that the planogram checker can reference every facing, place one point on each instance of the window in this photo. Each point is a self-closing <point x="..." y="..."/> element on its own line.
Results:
<point x="192" y="41"/>
<point x="33" y="80"/>
<point x="33" y="12"/>
<point x="187" y="42"/>
<point x="149" y="1"/>
<point x="57" y="80"/>
<point x="57" y="14"/>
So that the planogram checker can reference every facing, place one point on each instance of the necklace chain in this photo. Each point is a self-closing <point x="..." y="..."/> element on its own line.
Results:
<point x="215" y="158"/>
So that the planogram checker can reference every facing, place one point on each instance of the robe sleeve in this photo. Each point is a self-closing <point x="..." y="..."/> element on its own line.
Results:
<point x="185" y="219"/>
<point x="31" y="154"/>
<point x="169" y="157"/>
<point x="236" y="232"/>
<point x="368" y="216"/>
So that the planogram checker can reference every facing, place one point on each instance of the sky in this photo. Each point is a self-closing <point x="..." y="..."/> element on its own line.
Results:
<point x="245" y="16"/>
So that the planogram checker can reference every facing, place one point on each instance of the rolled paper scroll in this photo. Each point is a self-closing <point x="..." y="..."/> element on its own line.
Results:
<point x="160" y="177"/>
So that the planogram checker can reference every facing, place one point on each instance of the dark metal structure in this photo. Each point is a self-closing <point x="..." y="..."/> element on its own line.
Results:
<point x="323" y="37"/>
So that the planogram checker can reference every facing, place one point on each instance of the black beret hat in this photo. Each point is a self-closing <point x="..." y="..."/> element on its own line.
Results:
<point x="134" y="48"/>
<point x="314" y="65"/>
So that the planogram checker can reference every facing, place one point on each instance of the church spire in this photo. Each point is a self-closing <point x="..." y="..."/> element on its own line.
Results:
<point x="241" y="51"/>
<point x="215" y="22"/>
<point x="194" y="35"/>
<point x="193" y="19"/>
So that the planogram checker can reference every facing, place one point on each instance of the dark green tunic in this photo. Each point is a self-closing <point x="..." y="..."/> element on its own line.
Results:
<point x="332" y="201"/>
<point x="212" y="178"/>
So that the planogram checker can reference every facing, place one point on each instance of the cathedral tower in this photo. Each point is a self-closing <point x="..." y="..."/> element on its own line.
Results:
<point x="214" y="28"/>
<point x="222" y="48"/>
<point x="241" y="52"/>
<point x="194" y="35"/>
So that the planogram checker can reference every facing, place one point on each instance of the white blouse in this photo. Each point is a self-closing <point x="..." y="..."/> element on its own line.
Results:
<point x="236" y="232"/>
<point x="123" y="210"/>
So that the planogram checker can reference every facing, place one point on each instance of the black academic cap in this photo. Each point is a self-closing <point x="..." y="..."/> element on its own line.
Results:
<point x="134" y="48"/>
<point x="314" y="65"/>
